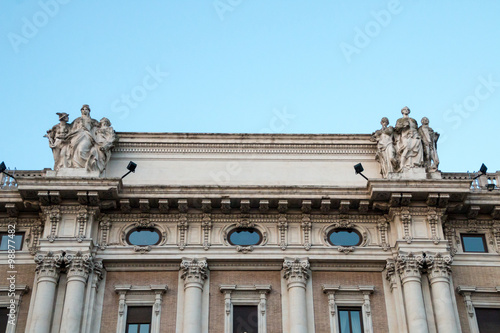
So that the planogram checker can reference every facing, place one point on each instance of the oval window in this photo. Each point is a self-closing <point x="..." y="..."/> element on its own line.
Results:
<point x="244" y="237"/>
<point x="143" y="237"/>
<point x="344" y="237"/>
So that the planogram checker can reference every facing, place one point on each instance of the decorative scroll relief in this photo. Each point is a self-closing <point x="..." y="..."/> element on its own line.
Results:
<point x="105" y="225"/>
<point x="406" y="221"/>
<point x="306" y="228"/>
<point x="182" y="226"/>
<point x="438" y="266"/>
<point x="53" y="213"/>
<point x="78" y="264"/>
<point x="206" y="225"/>
<point x="409" y="265"/>
<point x="245" y="295"/>
<point x="433" y="219"/>
<point x="383" y="227"/>
<point x="33" y="236"/>
<point x="194" y="270"/>
<point x="495" y="230"/>
<point x="85" y="143"/>
<point x="283" y="231"/>
<point x="296" y="270"/>
<point x="406" y="148"/>
<point x="349" y="296"/>
<point x="48" y="264"/>
<point x="151" y="295"/>
<point x="390" y="273"/>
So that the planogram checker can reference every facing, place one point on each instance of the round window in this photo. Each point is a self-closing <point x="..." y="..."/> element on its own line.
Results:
<point x="344" y="237"/>
<point x="244" y="237"/>
<point x="143" y="237"/>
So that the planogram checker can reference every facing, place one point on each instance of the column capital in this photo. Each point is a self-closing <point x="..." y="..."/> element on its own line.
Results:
<point x="296" y="271"/>
<point x="48" y="265"/>
<point x="194" y="272"/>
<point x="79" y="265"/>
<point x="409" y="265"/>
<point x="438" y="266"/>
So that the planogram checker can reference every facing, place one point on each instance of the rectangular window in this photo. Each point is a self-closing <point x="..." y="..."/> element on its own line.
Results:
<point x="3" y="319"/>
<point x="139" y="319"/>
<point x="474" y="243"/>
<point x="350" y="320"/>
<point x="11" y="241"/>
<point x="245" y="319"/>
<point x="488" y="320"/>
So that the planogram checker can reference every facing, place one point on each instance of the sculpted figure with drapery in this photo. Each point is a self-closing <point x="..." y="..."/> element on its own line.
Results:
<point x="85" y="143"/>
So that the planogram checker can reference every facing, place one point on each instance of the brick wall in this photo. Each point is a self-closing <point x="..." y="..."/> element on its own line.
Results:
<point x="25" y="275"/>
<point x="144" y="278"/>
<point x="377" y="300"/>
<point x="245" y="278"/>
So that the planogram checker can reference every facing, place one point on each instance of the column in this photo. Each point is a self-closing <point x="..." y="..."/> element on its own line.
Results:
<point x="78" y="267"/>
<point x="409" y="267"/>
<point x="194" y="274"/>
<point x="439" y="271"/>
<point x="296" y="272"/>
<point x="48" y="268"/>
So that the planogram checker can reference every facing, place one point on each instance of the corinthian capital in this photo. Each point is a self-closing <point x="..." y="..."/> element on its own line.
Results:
<point x="194" y="271"/>
<point x="409" y="265"/>
<point x="296" y="271"/>
<point x="439" y="266"/>
<point x="79" y="265"/>
<point x="48" y="264"/>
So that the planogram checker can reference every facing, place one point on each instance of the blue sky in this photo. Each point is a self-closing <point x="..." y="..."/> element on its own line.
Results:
<point x="232" y="66"/>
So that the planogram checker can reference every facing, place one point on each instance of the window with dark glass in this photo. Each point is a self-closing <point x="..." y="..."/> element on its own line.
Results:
<point x="474" y="243"/>
<point x="344" y="237"/>
<point x="11" y="241"/>
<point x="350" y="320"/>
<point x="488" y="320"/>
<point x="143" y="237"/>
<point x="244" y="237"/>
<point x="3" y="319"/>
<point x="139" y="319"/>
<point x="245" y="319"/>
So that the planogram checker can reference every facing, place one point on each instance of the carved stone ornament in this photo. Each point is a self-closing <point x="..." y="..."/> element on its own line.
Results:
<point x="244" y="249"/>
<point x="48" y="264"/>
<point x="85" y="143"/>
<point x="406" y="147"/>
<point x="296" y="270"/>
<point x="438" y="266"/>
<point x="194" y="270"/>
<point x="78" y="264"/>
<point x="409" y="265"/>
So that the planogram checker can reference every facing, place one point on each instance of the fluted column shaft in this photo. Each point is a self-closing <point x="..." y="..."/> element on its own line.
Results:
<point x="79" y="266"/>
<point x="439" y="270"/>
<point x="48" y="275"/>
<point x="409" y="267"/>
<point x="296" y="272"/>
<point x="194" y="273"/>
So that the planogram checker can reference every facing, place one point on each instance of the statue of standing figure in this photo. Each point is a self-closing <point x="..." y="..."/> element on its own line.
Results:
<point x="85" y="143"/>
<point x="429" y="140"/>
<point x="408" y="142"/>
<point x="386" y="154"/>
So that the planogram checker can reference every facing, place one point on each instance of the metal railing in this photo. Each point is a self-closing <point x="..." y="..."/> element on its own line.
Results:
<point x="487" y="182"/>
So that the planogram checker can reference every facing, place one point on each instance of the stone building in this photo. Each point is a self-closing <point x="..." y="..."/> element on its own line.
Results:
<point x="271" y="233"/>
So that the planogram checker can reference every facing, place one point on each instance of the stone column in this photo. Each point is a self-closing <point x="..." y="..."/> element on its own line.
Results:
<point x="48" y="268"/>
<point x="296" y="272"/>
<point x="194" y="273"/>
<point x="79" y="266"/>
<point x="439" y="271"/>
<point x="409" y="267"/>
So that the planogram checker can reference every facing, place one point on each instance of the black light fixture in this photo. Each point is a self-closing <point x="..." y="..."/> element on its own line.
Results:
<point x="131" y="168"/>
<point x="482" y="171"/>
<point x="3" y="168"/>
<point x="359" y="169"/>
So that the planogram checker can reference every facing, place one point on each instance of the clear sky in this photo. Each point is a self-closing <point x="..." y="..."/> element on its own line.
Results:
<point x="252" y="66"/>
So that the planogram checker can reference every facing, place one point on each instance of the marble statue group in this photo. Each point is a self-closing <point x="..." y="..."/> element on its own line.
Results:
<point x="406" y="146"/>
<point x="85" y="143"/>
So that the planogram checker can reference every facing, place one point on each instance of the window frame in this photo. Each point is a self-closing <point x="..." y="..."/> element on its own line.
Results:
<point x="349" y="309"/>
<point x="340" y="297"/>
<point x="127" y="323"/>
<point x="481" y="298"/>
<point x="483" y="237"/>
<point x="344" y="229"/>
<point x="245" y="295"/>
<point x="5" y="300"/>
<point x="17" y="233"/>
<point x="240" y="229"/>
<point x="129" y="295"/>
<point x="127" y="236"/>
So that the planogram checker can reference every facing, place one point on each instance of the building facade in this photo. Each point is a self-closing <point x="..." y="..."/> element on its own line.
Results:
<point x="248" y="233"/>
